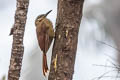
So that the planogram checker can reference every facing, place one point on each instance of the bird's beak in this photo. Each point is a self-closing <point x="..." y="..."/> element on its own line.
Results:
<point x="47" y="13"/>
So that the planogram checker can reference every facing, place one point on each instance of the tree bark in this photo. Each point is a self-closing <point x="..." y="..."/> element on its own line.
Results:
<point x="18" y="34"/>
<point x="66" y="38"/>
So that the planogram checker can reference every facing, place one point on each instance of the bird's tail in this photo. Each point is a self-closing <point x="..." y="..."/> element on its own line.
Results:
<point x="45" y="66"/>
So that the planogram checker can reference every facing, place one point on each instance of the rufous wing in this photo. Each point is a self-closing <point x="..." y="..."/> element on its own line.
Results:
<point x="44" y="41"/>
<point x="43" y="37"/>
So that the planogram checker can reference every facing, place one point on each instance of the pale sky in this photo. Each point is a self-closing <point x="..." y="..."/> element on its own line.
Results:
<point x="87" y="52"/>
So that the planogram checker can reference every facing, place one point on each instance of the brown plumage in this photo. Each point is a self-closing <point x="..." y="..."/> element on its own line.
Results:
<point x="45" y="34"/>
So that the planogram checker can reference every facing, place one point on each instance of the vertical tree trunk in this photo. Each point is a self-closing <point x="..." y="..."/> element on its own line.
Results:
<point x="66" y="38"/>
<point x="18" y="34"/>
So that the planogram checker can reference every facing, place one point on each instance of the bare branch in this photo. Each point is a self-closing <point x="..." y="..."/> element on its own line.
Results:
<point x="66" y="38"/>
<point x="18" y="34"/>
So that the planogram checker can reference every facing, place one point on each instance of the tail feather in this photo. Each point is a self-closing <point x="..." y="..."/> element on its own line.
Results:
<point x="45" y="66"/>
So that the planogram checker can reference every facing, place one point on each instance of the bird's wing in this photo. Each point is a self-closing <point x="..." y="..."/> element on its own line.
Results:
<point x="48" y="41"/>
<point x="43" y="38"/>
<point x="40" y="31"/>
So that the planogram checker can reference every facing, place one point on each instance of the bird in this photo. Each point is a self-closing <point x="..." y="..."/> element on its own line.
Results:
<point x="45" y="34"/>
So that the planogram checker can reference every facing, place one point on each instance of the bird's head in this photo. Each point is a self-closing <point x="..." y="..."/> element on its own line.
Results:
<point x="41" y="17"/>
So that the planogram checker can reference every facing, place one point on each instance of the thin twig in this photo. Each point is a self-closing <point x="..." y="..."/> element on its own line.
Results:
<point x="108" y="45"/>
<point x="103" y="75"/>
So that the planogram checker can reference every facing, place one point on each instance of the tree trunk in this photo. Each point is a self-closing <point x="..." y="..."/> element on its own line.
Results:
<point x="66" y="38"/>
<point x="18" y="34"/>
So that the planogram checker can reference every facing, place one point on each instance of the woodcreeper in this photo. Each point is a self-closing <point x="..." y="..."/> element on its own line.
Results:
<point x="45" y="34"/>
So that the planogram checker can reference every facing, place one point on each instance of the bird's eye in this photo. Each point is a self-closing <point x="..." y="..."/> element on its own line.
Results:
<point x="39" y="20"/>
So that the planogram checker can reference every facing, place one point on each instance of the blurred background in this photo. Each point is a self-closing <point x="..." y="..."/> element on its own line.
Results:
<point x="98" y="52"/>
